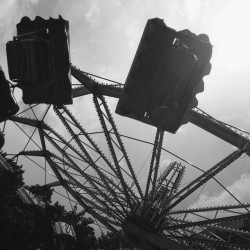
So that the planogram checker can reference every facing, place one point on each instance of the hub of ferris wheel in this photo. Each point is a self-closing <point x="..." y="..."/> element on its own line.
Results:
<point x="165" y="76"/>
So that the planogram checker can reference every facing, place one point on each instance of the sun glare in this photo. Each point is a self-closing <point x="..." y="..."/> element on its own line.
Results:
<point x="231" y="37"/>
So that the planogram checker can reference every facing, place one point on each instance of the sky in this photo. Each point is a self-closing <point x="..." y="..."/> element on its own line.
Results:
<point x="104" y="36"/>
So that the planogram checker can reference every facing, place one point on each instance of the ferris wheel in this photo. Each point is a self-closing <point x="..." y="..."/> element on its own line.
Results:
<point x="94" y="167"/>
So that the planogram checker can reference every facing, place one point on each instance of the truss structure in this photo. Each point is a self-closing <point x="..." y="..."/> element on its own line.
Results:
<point x="95" y="169"/>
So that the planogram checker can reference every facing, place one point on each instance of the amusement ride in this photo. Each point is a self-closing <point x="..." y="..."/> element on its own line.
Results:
<point x="94" y="166"/>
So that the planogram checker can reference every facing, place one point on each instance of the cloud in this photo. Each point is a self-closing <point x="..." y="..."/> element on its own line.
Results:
<point x="133" y="34"/>
<point x="34" y="1"/>
<point x="239" y="188"/>
<point x="230" y="38"/>
<point x="104" y="38"/>
<point x="8" y="17"/>
<point x="193" y="8"/>
<point x="164" y="164"/>
<point x="92" y="15"/>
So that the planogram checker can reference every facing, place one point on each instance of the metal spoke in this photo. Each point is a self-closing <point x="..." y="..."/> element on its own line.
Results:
<point x="103" y="183"/>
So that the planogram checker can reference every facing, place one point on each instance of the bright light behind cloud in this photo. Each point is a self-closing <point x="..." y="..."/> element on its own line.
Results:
<point x="230" y="38"/>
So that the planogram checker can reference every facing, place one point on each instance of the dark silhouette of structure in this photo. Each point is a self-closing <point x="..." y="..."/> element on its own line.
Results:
<point x="165" y="76"/>
<point x="160" y="90"/>
<point x="39" y="60"/>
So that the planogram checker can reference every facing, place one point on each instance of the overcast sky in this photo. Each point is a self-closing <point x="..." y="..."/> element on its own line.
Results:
<point x="104" y="37"/>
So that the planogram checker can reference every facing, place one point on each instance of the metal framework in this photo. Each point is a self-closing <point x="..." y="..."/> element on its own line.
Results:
<point x="95" y="170"/>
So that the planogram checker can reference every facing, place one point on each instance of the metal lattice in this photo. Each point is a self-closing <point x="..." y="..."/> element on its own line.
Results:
<point x="95" y="169"/>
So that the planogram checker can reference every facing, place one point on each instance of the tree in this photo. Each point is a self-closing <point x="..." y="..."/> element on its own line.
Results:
<point x="85" y="236"/>
<point x="42" y="193"/>
<point x="23" y="226"/>
<point x="30" y="226"/>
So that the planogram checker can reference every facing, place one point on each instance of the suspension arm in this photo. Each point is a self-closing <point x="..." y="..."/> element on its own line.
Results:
<point x="194" y="185"/>
<point x="220" y="130"/>
<point x="206" y="209"/>
<point x="185" y="224"/>
<point x="199" y="119"/>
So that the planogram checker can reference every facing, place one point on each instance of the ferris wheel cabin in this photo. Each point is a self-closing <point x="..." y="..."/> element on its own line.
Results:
<point x="39" y="61"/>
<point x="166" y="74"/>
